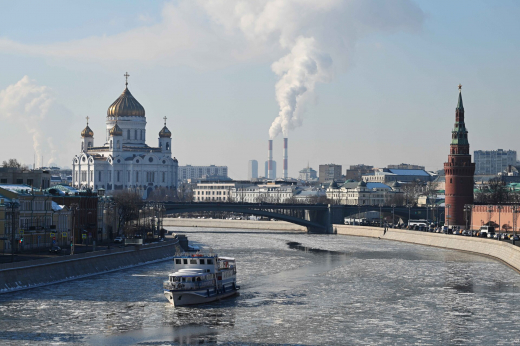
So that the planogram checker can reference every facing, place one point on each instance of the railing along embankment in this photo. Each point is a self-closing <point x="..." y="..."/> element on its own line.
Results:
<point x="500" y="250"/>
<point x="29" y="274"/>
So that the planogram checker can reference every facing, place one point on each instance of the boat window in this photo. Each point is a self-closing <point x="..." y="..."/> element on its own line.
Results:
<point x="193" y="261"/>
<point x="183" y="279"/>
<point x="178" y="261"/>
<point x="185" y="261"/>
<point x="189" y="279"/>
<point x="210" y="261"/>
<point x="202" y="261"/>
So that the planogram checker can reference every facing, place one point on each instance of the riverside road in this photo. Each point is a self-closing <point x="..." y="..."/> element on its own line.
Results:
<point x="296" y="289"/>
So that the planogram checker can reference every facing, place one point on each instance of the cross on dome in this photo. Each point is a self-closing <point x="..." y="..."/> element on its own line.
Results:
<point x="126" y="76"/>
<point x="87" y="120"/>
<point x="165" y="120"/>
<point x="460" y="86"/>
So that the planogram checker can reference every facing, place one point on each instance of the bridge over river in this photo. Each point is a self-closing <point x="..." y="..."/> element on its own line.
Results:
<point x="317" y="218"/>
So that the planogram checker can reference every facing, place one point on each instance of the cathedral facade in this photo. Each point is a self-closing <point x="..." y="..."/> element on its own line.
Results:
<point x="125" y="161"/>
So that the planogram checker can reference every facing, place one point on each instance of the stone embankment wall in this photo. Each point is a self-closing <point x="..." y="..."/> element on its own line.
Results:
<point x="29" y="274"/>
<point x="500" y="250"/>
<point x="242" y="224"/>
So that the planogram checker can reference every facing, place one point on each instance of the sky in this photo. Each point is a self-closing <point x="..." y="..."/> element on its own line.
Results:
<point x="347" y="81"/>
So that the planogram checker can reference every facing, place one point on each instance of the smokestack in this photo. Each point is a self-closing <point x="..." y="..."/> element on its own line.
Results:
<point x="285" y="159"/>
<point x="270" y="168"/>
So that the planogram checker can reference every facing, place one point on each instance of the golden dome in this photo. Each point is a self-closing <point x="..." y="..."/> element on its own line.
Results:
<point x="87" y="132"/>
<point x="165" y="133"/>
<point x="125" y="106"/>
<point x="116" y="130"/>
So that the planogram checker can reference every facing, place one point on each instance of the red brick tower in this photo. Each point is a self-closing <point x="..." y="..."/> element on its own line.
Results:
<point x="459" y="171"/>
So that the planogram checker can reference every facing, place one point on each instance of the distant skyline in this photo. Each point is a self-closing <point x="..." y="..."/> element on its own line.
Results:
<point x="349" y="82"/>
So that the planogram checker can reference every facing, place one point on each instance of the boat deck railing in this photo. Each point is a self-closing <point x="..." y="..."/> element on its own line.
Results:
<point x="168" y="285"/>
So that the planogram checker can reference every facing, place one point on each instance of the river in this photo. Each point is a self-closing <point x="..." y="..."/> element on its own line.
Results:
<point x="295" y="289"/>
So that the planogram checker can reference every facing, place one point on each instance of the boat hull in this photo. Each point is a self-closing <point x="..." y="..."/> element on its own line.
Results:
<point x="183" y="298"/>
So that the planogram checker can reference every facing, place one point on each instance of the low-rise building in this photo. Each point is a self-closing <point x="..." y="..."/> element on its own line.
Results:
<point x="362" y="193"/>
<point x="385" y="176"/>
<point x="34" y="178"/>
<point x="244" y="192"/>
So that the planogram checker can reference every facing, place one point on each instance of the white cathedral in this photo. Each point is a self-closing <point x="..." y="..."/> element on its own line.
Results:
<point x="125" y="161"/>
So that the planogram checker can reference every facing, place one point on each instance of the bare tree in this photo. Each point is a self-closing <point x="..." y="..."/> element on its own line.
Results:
<point x="127" y="205"/>
<point x="13" y="163"/>
<point x="185" y="193"/>
<point x="411" y="191"/>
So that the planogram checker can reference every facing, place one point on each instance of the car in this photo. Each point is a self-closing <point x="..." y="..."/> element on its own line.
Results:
<point x="118" y="240"/>
<point x="55" y="249"/>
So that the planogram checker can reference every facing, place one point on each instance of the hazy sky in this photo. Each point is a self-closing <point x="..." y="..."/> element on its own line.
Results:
<point x="350" y="82"/>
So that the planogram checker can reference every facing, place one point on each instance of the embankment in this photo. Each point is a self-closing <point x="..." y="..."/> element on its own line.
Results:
<point x="500" y="250"/>
<point x="241" y="224"/>
<point x="24" y="275"/>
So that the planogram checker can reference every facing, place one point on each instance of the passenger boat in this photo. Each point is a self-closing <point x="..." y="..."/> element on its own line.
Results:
<point x="201" y="278"/>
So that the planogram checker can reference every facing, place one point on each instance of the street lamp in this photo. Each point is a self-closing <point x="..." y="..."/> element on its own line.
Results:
<point x="74" y="207"/>
<point x="380" y="215"/>
<point x="409" y="206"/>
<point x="467" y="209"/>
<point x="13" y="206"/>
<point x="499" y="207"/>
<point x="515" y="211"/>
<point x="393" y="215"/>
<point x="448" y="217"/>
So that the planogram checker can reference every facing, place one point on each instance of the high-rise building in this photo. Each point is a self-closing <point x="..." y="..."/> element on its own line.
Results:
<point x="210" y="172"/>
<point x="356" y="171"/>
<point x="329" y="172"/>
<point x="308" y="174"/>
<point x="489" y="162"/>
<point x="252" y="169"/>
<point x="273" y="171"/>
<point x="459" y="171"/>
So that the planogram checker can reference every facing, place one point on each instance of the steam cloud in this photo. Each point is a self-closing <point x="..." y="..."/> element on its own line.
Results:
<point x="309" y="40"/>
<point x="30" y="105"/>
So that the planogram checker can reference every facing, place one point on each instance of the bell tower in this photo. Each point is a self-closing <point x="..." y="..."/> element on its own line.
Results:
<point x="459" y="171"/>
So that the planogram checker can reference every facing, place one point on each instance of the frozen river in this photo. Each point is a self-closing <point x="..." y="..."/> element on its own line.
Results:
<point x="296" y="289"/>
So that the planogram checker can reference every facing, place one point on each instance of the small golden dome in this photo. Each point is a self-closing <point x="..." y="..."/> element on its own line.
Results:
<point x="125" y="106"/>
<point x="165" y="133"/>
<point x="116" y="130"/>
<point x="87" y="132"/>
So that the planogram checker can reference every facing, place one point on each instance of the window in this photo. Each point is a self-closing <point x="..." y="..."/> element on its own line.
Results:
<point x="202" y="261"/>
<point x="167" y="146"/>
<point x="163" y="176"/>
<point x="135" y="134"/>
<point x="128" y="176"/>
<point x="177" y="261"/>
<point x="128" y="134"/>
<point x="110" y="144"/>
<point x="210" y="261"/>
<point x="193" y="261"/>
<point x="109" y="176"/>
<point x="118" y="177"/>
<point x="3" y="181"/>
<point x="142" y="134"/>
<point x="185" y="261"/>
<point x="136" y="177"/>
<point x="19" y="181"/>
<point x="99" y="176"/>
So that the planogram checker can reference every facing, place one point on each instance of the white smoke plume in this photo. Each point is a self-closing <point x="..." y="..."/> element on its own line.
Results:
<point x="311" y="35"/>
<point x="30" y="105"/>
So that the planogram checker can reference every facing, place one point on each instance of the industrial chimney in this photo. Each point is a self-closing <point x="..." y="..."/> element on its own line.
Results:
<point x="285" y="160"/>
<point x="270" y="168"/>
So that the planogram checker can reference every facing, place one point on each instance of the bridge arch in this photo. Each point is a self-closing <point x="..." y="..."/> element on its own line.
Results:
<point x="310" y="225"/>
